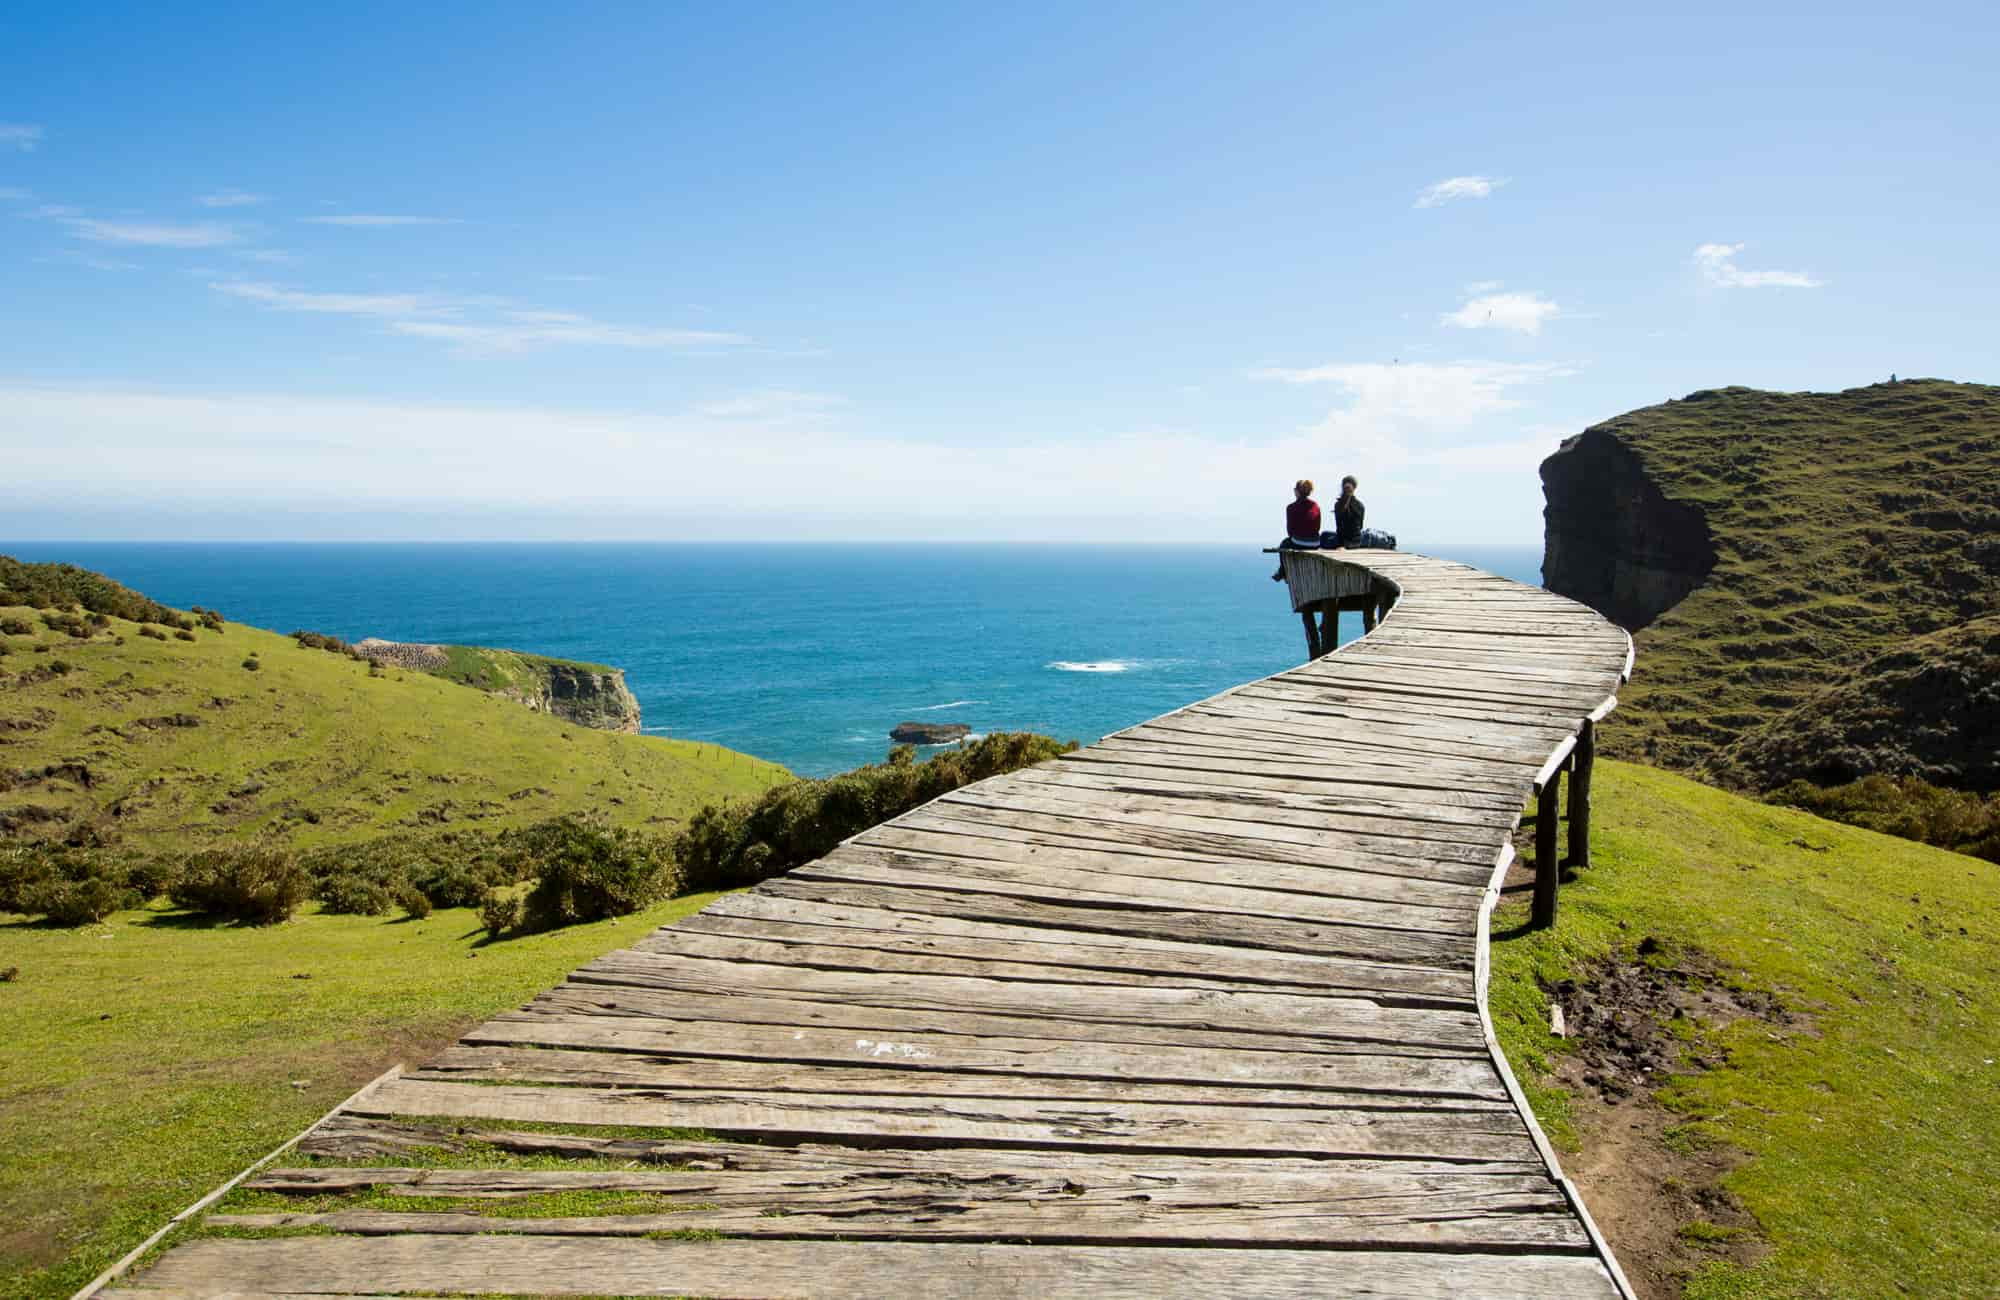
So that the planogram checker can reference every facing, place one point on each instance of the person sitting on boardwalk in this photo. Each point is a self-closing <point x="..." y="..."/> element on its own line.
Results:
<point x="1348" y="514"/>
<point x="1301" y="524"/>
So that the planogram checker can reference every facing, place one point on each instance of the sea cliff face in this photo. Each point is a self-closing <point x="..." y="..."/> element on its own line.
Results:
<point x="1613" y="539"/>
<point x="589" y="695"/>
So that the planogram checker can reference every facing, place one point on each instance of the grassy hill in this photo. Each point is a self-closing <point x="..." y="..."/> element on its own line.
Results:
<point x="144" y="735"/>
<point x="1782" y="1069"/>
<point x="1844" y="526"/>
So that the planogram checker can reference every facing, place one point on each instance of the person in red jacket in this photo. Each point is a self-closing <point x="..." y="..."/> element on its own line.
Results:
<point x="1301" y="524"/>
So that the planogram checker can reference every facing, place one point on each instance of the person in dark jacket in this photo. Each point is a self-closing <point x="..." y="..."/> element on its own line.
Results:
<point x="1301" y="523"/>
<point x="1348" y="514"/>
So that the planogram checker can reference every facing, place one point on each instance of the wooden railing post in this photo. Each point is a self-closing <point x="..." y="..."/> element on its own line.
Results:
<point x="1312" y="632"/>
<point x="1581" y="761"/>
<point x="1548" y="804"/>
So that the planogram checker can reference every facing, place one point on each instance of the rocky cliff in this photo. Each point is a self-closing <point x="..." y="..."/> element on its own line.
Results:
<point x="1613" y="540"/>
<point x="589" y="695"/>
<point x="1767" y="549"/>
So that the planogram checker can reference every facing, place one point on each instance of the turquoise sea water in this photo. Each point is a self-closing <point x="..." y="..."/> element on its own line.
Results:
<point x="802" y="654"/>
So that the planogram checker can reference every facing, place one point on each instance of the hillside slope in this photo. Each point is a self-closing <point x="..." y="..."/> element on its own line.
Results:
<point x="174" y="736"/>
<point x="1765" y="546"/>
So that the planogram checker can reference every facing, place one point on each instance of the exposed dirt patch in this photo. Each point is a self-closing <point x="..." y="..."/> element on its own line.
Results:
<point x="1650" y="1013"/>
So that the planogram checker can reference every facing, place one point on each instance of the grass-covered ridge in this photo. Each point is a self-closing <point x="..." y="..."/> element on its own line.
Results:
<point x="1868" y="1116"/>
<point x="1845" y="525"/>
<point x="148" y="737"/>
<point x="151" y="1057"/>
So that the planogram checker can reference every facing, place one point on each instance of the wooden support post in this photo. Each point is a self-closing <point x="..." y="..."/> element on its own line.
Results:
<point x="1312" y="632"/>
<point x="1581" y="761"/>
<point x="1548" y="807"/>
<point x="1368" y="613"/>
<point x="1329" y="626"/>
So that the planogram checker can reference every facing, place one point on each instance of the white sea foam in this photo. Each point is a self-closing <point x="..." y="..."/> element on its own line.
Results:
<point x="1094" y="665"/>
<point x="955" y="704"/>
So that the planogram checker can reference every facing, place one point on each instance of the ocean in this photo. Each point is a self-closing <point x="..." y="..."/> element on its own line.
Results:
<point x="808" y="654"/>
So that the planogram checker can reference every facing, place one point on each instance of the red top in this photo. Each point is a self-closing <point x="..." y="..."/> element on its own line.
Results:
<point x="1302" y="520"/>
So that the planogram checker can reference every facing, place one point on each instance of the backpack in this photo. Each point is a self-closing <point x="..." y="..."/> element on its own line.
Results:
<point x="1375" y="539"/>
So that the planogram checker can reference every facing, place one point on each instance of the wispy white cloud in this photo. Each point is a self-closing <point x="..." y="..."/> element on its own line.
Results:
<point x="1388" y="403"/>
<point x="1459" y="187"/>
<point x="230" y="198"/>
<point x="379" y="219"/>
<point x="1717" y="264"/>
<point x="524" y="330"/>
<point x="272" y="255"/>
<point x="337" y="304"/>
<point x="1522" y="312"/>
<point x="19" y="136"/>
<point x="474" y="325"/>
<point x="773" y="404"/>
<point x="200" y="234"/>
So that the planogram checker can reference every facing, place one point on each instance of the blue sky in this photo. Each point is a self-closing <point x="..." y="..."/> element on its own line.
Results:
<point x="1009" y="272"/>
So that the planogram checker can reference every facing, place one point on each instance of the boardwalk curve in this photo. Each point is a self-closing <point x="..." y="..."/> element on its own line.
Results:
<point x="1200" y="1008"/>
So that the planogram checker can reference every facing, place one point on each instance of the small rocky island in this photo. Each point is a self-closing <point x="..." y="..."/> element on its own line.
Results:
<point x="928" y="733"/>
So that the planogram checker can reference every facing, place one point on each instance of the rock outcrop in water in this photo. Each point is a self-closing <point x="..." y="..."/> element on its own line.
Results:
<point x="928" y="733"/>
<point x="1614" y="539"/>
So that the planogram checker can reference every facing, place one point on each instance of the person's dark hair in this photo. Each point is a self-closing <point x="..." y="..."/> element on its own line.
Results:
<point x="1350" y="482"/>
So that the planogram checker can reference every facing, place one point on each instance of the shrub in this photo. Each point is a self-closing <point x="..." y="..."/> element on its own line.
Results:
<point x="415" y="904"/>
<point x="154" y="877"/>
<point x="260" y="884"/>
<point x="500" y="912"/>
<point x="66" y="886"/>
<point x="65" y="586"/>
<point x="183" y="635"/>
<point x="733" y="844"/>
<point x="1907" y="806"/>
<point x="16" y="626"/>
<point x="61" y="667"/>
<point x="148" y="630"/>
<point x="354" y="896"/>
<point x="252" y="664"/>
<point x="587" y="870"/>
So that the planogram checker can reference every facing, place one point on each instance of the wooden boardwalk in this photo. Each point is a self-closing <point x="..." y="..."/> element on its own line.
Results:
<point x="1196" y="1010"/>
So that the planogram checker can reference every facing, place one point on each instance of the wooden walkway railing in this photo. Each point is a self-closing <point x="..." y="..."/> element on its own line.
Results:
<point x="1198" y="1009"/>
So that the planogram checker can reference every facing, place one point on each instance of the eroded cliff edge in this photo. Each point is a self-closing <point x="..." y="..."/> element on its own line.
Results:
<point x="1786" y="561"/>
<point x="589" y="695"/>
<point x="1613" y="539"/>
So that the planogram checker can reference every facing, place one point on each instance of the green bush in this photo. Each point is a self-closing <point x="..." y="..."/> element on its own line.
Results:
<point x="588" y="870"/>
<point x="728" y="845"/>
<point x="1907" y="806"/>
<point x="261" y="884"/>
<point x="499" y="912"/>
<point x="354" y="896"/>
<point x="154" y="877"/>
<point x="148" y="630"/>
<point x="252" y="664"/>
<point x="65" y="586"/>
<point x="413" y="901"/>
<point x="67" y="886"/>
<point x="16" y="626"/>
<point x="183" y="635"/>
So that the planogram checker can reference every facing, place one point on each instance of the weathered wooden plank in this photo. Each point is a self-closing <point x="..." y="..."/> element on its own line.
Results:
<point x="977" y="899"/>
<point x="1327" y="878"/>
<point x="808" y="1270"/>
<point x="1208" y="794"/>
<point x="659" y="1073"/>
<point x="1068" y="885"/>
<point x="1226" y="775"/>
<point x="1429" y="859"/>
<point x="1131" y="1126"/>
<point x="761" y="914"/>
<point x="899" y="1211"/>
<point x="634" y="977"/>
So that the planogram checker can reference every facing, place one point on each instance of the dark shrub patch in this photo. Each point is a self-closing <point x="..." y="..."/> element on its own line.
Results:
<point x="183" y="635"/>
<point x="587" y="870"/>
<point x="252" y="664"/>
<point x="734" y="844"/>
<point x="500" y="912"/>
<point x="1907" y="806"/>
<point x="69" y="887"/>
<point x="260" y="884"/>
<point x="16" y="626"/>
<point x="353" y="896"/>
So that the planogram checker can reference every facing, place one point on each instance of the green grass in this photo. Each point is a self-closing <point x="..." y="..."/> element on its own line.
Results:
<point x="310" y="748"/>
<point x="150" y="1058"/>
<point x="1873" y="1125"/>
<point x="1845" y="524"/>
